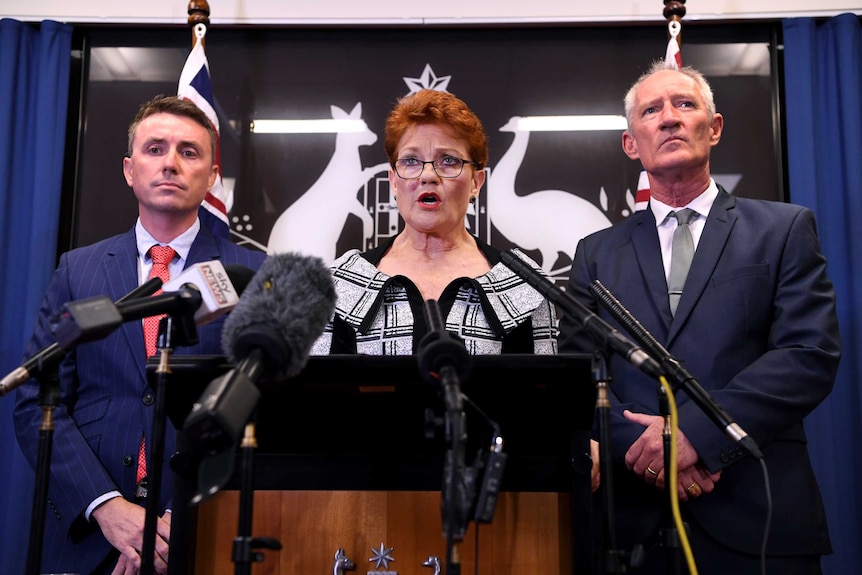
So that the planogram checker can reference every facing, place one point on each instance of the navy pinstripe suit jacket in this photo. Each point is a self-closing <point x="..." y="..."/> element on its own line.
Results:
<point x="105" y="398"/>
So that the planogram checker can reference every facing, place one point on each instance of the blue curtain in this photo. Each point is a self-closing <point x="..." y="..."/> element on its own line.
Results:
<point x="823" y="95"/>
<point x="34" y="85"/>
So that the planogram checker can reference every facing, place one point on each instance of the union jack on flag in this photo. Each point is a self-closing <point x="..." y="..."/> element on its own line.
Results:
<point x="195" y="85"/>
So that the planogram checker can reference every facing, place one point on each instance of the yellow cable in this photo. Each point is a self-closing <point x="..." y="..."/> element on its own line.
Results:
<point x="671" y="478"/>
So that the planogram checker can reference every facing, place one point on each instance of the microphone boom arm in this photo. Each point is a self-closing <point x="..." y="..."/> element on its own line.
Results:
<point x="678" y="376"/>
<point x="598" y="329"/>
<point x="94" y="318"/>
<point x="47" y="358"/>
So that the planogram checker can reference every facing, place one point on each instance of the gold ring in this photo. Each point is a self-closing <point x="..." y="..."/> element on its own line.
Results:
<point x="693" y="489"/>
<point x="651" y="471"/>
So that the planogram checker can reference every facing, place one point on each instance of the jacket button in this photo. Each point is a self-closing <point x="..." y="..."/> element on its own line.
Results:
<point x="723" y="457"/>
<point x="148" y="399"/>
<point x="127" y="461"/>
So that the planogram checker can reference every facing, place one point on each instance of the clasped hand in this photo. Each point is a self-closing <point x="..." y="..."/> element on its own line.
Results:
<point x="122" y="524"/>
<point x="645" y="458"/>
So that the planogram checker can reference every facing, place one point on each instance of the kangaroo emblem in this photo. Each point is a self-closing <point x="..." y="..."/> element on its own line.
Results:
<point x="550" y="221"/>
<point x="342" y="563"/>
<point x="433" y="562"/>
<point x="314" y="222"/>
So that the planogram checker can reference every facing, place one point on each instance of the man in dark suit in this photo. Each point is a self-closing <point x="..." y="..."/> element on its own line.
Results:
<point x="755" y="325"/>
<point x="95" y="517"/>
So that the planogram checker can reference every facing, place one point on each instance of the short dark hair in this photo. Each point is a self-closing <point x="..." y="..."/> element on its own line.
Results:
<point x="177" y="106"/>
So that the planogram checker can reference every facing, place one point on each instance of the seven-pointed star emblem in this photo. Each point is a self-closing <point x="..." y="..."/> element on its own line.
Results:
<point x="382" y="556"/>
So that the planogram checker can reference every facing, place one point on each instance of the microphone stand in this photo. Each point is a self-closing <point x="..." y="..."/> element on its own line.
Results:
<point x="172" y="331"/>
<point x="454" y="497"/>
<point x="613" y="559"/>
<point x="443" y="358"/>
<point x="49" y="393"/>
<point x="607" y="339"/>
<point x="250" y="369"/>
<point x="669" y="536"/>
<point x="244" y="543"/>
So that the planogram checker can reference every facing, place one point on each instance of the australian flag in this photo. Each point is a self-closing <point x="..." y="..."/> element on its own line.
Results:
<point x="195" y="85"/>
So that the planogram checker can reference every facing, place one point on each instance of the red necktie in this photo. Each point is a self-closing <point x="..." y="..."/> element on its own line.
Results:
<point x="162" y="256"/>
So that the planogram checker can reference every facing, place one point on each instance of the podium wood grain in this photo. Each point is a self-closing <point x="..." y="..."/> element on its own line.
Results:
<point x="530" y="533"/>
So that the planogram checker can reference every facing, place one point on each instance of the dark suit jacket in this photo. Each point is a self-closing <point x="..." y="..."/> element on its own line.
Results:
<point x="106" y="401"/>
<point x="757" y="327"/>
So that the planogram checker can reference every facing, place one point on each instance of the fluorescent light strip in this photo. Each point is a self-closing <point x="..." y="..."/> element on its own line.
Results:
<point x="523" y="124"/>
<point x="307" y="126"/>
<point x="569" y="123"/>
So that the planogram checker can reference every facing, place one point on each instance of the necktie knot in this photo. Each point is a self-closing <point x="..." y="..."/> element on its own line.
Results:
<point x="684" y="217"/>
<point x="162" y="255"/>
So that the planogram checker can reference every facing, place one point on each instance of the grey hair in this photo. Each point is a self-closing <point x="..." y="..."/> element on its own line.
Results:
<point x="659" y="65"/>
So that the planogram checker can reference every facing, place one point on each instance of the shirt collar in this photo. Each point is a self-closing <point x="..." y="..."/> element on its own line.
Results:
<point x="182" y="244"/>
<point x="701" y="204"/>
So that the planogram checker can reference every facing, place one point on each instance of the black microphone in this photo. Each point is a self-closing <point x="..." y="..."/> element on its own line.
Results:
<point x="674" y="370"/>
<point x="443" y="359"/>
<point x="439" y="349"/>
<point x="269" y="335"/>
<point x="203" y="289"/>
<point x="49" y="356"/>
<point x="599" y="330"/>
<point x="240" y="276"/>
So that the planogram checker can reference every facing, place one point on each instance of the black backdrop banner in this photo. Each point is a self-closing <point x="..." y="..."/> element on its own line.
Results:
<point x="325" y="193"/>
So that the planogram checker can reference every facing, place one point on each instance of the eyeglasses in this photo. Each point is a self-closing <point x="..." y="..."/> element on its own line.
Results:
<point x="444" y="166"/>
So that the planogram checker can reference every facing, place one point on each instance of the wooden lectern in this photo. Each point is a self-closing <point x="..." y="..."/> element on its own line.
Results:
<point x="350" y="457"/>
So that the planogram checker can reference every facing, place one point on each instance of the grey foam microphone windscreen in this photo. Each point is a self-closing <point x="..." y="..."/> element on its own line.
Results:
<point x="281" y="312"/>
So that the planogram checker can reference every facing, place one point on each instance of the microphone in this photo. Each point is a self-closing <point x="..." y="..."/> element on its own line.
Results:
<point x="203" y="289"/>
<point x="49" y="356"/>
<point x="240" y="276"/>
<point x="218" y="291"/>
<point x="283" y="311"/>
<point x="443" y="358"/>
<point x="599" y="330"/>
<point x="269" y="334"/>
<point x="439" y="349"/>
<point x="674" y="370"/>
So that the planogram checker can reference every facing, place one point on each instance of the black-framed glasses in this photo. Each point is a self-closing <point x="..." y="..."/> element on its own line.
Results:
<point x="444" y="166"/>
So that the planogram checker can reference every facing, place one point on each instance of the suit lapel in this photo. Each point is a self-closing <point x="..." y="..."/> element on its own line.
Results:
<point x="120" y="268"/>
<point x="646" y="246"/>
<point x="709" y="249"/>
<point x="204" y="248"/>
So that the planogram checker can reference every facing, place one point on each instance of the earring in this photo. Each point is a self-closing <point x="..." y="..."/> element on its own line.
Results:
<point x="472" y="199"/>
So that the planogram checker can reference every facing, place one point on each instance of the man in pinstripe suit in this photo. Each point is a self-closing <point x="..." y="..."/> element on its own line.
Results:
<point x="94" y="520"/>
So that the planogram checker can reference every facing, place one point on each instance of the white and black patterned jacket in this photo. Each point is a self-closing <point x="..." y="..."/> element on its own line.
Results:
<point x="377" y="314"/>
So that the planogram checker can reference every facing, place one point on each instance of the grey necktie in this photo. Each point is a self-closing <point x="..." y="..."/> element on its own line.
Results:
<point x="682" y="251"/>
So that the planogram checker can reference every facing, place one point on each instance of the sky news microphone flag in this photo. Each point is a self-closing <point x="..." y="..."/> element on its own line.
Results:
<point x="672" y="55"/>
<point x="195" y="85"/>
